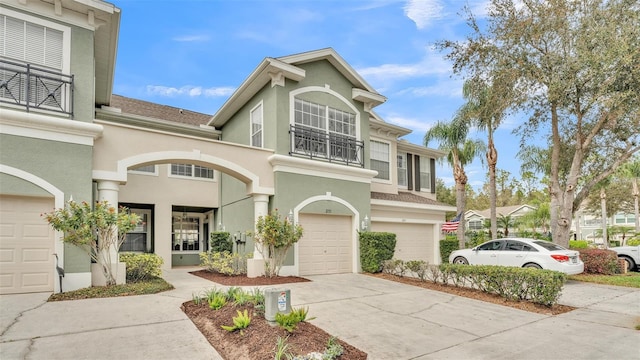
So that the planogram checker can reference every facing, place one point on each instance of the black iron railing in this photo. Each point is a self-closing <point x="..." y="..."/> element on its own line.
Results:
<point x="35" y="88"/>
<point x="317" y="144"/>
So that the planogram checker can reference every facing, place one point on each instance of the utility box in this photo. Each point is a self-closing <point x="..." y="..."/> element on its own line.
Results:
<point x="276" y="301"/>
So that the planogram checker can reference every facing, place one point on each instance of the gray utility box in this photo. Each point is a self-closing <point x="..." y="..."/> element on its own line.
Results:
<point x="276" y="301"/>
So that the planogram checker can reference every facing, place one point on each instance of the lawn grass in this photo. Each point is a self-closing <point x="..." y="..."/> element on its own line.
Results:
<point x="152" y="286"/>
<point x="630" y="279"/>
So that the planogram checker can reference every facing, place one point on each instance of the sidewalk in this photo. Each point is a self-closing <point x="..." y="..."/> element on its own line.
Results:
<point x="387" y="320"/>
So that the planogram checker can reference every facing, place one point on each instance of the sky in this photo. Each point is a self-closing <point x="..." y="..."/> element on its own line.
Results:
<point x="193" y="54"/>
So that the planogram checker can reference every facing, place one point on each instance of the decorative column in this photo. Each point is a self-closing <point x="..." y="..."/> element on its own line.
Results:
<point x="255" y="266"/>
<point x="108" y="191"/>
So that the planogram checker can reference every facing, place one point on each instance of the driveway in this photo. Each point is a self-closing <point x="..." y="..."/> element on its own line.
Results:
<point x="387" y="320"/>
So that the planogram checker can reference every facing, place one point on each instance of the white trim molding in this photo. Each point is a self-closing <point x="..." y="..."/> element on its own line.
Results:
<point x="38" y="126"/>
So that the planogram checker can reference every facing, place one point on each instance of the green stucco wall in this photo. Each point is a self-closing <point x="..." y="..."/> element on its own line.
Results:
<point x="65" y="166"/>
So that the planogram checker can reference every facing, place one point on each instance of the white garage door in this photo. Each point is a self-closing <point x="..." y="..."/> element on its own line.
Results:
<point x="26" y="245"/>
<point x="413" y="241"/>
<point x="325" y="247"/>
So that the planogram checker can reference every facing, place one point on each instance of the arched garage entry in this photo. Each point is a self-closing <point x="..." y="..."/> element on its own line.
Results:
<point x="330" y="242"/>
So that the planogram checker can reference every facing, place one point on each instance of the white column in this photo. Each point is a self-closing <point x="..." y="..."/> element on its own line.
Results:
<point x="255" y="266"/>
<point x="260" y="208"/>
<point x="108" y="191"/>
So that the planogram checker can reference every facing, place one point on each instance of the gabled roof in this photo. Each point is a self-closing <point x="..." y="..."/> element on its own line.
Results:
<point x="403" y="196"/>
<point x="275" y="70"/>
<point x="503" y="210"/>
<point x="158" y="111"/>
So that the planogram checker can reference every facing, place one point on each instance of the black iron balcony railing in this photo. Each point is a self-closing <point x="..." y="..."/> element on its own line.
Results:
<point x="35" y="88"/>
<point x="317" y="144"/>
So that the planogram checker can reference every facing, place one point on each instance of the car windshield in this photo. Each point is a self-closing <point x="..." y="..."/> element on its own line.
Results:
<point x="549" y="245"/>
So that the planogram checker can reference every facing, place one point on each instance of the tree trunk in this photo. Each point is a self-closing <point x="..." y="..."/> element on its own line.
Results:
<point x="636" y="194"/>
<point x="603" y="214"/>
<point x="492" y="160"/>
<point x="461" y="183"/>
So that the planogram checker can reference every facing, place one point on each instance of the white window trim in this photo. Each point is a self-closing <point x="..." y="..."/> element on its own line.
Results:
<point x="259" y="105"/>
<point x="170" y="175"/>
<point x="66" y="35"/>
<point x="327" y="90"/>
<point x="406" y="170"/>
<point x="146" y="173"/>
<point x="200" y="232"/>
<point x="391" y="162"/>
<point x="428" y="162"/>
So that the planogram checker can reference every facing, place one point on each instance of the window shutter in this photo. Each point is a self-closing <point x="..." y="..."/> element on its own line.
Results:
<point x="14" y="39"/>
<point x="409" y="171"/>
<point x="417" y="172"/>
<point x="433" y="175"/>
<point x="53" y="48"/>
<point x="34" y="44"/>
<point x="2" y="35"/>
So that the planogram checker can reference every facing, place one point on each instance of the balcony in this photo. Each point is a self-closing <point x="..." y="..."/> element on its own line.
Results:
<point x="34" y="88"/>
<point x="316" y="144"/>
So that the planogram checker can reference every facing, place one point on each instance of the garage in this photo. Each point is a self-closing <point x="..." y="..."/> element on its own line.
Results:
<point x="413" y="241"/>
<point x="26" y="245"/>
<point x="326" y="246"/>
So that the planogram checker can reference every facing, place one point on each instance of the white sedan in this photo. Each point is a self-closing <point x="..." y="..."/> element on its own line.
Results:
<point x="521" y="252"/>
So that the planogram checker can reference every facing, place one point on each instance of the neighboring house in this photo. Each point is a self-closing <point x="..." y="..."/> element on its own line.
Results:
<point x="298" y="136"/>
<point x="476" y="218"/>
<point x="589" y="227"/>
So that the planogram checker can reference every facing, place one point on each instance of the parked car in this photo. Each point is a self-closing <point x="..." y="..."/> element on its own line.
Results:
<point x="521" y="252"/>
<point x="630" y="254"/>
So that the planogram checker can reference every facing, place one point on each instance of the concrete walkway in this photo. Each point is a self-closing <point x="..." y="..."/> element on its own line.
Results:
<point x="387" y="320"/>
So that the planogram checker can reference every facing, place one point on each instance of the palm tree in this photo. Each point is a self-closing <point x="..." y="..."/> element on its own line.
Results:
<point x="506" y="222"/>
<point x="485" y="111"/>
<point x="632" y="171"/>
<point x="452" y="138"/>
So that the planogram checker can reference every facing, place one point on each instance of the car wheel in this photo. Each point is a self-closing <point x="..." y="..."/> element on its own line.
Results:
<point x="460" y="261"/>
<point x="533" y="266"/>
<point x="631" y="265"/>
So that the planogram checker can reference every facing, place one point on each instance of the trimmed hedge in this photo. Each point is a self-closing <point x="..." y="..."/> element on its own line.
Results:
<point x="446" y="248"/>
<point x="220" y="241"/>
<point x="375" y="248"/>
<point x="511" y="283"/>
<point x="578" y="244"/>
<point x="600" y="261"/>
<point x="225" y="262"/>
<point x="142" y="267"/>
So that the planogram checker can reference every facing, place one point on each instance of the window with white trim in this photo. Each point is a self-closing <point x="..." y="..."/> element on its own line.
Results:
<point x="323" y="131"/>
<point x="402" y="169"/>
<point x="425" y="173"/>
<point x="256" y="126"/>
<point x="147" y="170"/>
<point x="34" y="52"/>
<point x="185" y="232"/>
<point x="379" y="159"/>
<point x="191" y="171"/>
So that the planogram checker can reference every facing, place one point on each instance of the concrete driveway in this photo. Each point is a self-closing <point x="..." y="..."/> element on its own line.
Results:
<point x="387" y="320"/>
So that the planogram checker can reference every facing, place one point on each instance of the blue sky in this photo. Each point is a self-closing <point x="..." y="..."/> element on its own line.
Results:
<point x="194" y="53"/>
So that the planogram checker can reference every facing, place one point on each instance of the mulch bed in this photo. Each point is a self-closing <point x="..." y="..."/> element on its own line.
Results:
<point x="243" y="280"/>
<point x="258" y="341"/>
<point x="478" y="295"/>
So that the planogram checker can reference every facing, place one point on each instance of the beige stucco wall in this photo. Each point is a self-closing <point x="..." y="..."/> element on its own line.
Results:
<point x="124" y="146"/>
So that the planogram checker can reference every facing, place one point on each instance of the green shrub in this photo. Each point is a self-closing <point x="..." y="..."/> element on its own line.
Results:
<point x="375" y="248"/>
<point x="578" y="244"/>
<point x="634" y="241"/>
<point x="290" y="321"/>
<point x="240" y="322"/>
<point x="600" y="261"/>
<point x="220" y="242"/>
<point x="512" y="283"/>
<point x="141" y="267"/>
<point x="446" y="248"/>
<point x="224" y="262"/>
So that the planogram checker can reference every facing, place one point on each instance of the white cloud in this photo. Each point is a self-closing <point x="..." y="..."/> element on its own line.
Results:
<point x="451" y="89"/>
<point x="432" y="63"/>
<point x="415" y="125"/>
<point x="423" y="12"/>
<point x="191" y="91"/>
<point x="191" y="38"/>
